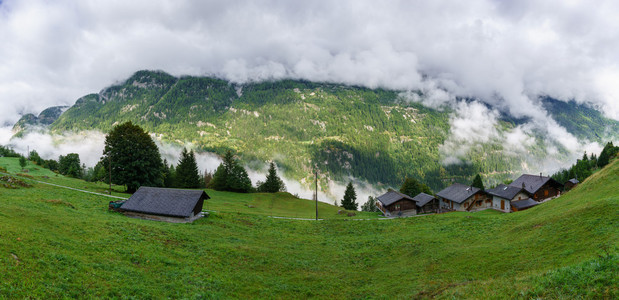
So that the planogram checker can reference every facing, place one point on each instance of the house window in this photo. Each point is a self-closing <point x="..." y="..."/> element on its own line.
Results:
<point x="397" y="207"/>
<point x="546" y="193"/>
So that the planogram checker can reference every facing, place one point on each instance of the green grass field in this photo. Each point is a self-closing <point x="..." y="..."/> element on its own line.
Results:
<point x="57" y="243"/>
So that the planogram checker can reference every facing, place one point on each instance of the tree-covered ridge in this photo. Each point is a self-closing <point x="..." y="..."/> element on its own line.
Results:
<point x="581" y="120"/>
<point x="371" y="134"/>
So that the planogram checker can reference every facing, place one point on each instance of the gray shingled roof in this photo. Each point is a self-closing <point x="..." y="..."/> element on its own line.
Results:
<point x="574" y="181"/>
<point x="423" y="199"/>
<point x="391" y="197"/>
<point x="165" y="202"/>
<point x="458" y="192"/>
<point x="505" y="191"/>
<point x="532" y="182"/>
<point x="526" y="203"/>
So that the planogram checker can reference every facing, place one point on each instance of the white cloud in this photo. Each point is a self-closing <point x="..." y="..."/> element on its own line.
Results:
<point x="471" y="124"/>
<point x="501" y="52"/>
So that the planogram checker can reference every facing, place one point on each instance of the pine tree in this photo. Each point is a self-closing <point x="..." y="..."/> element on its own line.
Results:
<point x="608" y="152"/>
<point x="349" y="202"/>
<point x="478" y="183"/>
<point x="230" y="176"/>
<point x="273" y="183"/>
<point x="187" y="175"/>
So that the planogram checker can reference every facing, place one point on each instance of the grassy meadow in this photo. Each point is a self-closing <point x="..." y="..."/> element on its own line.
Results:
<point x="57" y="243"/>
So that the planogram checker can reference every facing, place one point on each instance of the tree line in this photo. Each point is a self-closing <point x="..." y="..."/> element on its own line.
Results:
<point x="585" y="166"/>
<point x="132" y="159"/>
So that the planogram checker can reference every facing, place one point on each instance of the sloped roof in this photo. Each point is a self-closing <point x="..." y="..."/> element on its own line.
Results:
<point x="458" y="192"/>
<point x="423" y="199"/>
<point x="165" y="202"/>
<point x="532" y="183"/>
<point x="505" y="191"/>
<point x="391" y="197"/>
<point x="574" y="181"/>
<point x="522" y="204"/>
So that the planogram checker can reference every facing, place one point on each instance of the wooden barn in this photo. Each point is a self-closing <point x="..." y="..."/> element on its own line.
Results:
<point x="168" y="205"/>
<point x="540" y="187"/>
<point x="504" y="195"/>
<point x="426" y="203"/>
<point x="460" y="197"/>
<point x="395" y="203"/>
<point x="570" y="184"/>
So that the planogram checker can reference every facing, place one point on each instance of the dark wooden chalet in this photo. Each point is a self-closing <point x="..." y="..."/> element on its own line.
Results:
<point x="395" y="203"/>
<point x="169" y="205"/>
<point x="540" y="187"/>
<point x="523" y="204"/>
<point x="426" y="203"/>
<point x="462" y="197"/>
<point x="570" y="184"/>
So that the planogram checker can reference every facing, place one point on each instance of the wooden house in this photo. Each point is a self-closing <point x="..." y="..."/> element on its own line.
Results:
<point x="161" y="204"/>
<point x="460" y="197"/>
<point x="570" y="184"/>
<point x="540" y="187"/>
<point x="426" y="203"/>
<point x="395" y="203"/>
<point x="504" y="195"/>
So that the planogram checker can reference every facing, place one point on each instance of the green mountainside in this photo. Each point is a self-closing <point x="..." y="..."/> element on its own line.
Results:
<point x="370" y="134"/>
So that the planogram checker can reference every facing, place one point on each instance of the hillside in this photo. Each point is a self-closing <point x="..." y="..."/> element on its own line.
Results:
<point x="62" y="243"/>
<point x="370" y="134"/>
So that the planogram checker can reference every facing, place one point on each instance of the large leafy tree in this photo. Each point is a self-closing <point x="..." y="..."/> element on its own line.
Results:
<point x="349" y="201"/>
<point x="478" y="183"/>
<point x="70" y="165"/>
<point x="230" y="176"/>
<point x="187" y="175"/>
<point x="135" y="159"/>
<point x="412" y="187"/>
<point x="273" y="183"/>
<point x="370" y="205"/>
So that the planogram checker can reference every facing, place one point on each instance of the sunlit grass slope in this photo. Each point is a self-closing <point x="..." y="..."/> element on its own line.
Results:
<point x="62" y="243"/>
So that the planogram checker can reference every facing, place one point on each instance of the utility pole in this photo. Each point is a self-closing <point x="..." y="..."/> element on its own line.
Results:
<point x="109" y="165"/>
<point x="316" y="195"/>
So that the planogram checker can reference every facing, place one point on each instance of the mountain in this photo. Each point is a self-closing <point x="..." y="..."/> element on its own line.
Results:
<point x="371" y="134"/>
<point x="45" y="118"/>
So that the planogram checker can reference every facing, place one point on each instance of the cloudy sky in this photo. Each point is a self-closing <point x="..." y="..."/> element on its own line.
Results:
<point x="503" y="52"/>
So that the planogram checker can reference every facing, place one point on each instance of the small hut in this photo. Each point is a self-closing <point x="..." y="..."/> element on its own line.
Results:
<point x="168" y="205"/>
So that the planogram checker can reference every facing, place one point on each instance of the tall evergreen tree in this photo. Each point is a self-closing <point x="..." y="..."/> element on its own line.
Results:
<point x="349" y="201"/>
<point x="169" y="173"/>
<point x="608" y="152"/>
<point x="135" y="159"/>
<point x="230" y="176"/>
<point x="187" y="175"/>
<point x="478" y="183"/>
<point x="273" y="183"/>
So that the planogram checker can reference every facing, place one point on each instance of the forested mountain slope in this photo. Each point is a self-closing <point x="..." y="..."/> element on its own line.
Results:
<point x="370" y="134"/>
